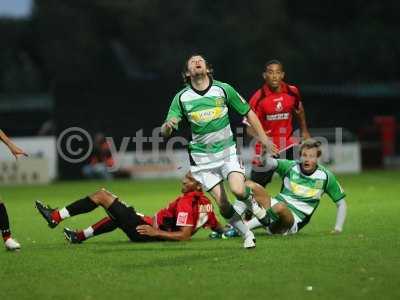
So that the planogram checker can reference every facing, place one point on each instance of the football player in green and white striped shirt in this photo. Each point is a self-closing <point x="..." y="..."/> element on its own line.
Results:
<point x="303" y="184"/>
<point x="205" y="103"/>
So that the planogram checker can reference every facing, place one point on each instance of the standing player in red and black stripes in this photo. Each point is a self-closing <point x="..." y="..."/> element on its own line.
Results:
<point x="275" y="104"/>
<point x="179" y="221"/>
<point x="9" y="242"/>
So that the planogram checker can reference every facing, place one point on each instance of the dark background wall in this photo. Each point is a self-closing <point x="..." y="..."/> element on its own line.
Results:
<point x="113" y="66"/>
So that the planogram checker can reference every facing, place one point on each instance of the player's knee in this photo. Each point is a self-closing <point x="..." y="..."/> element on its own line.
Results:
<point x="284" y="213"/>
<point x="239" y="191"/>
<point x="102" y="196"/>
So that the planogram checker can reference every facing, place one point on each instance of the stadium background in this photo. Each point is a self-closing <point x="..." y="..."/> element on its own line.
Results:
<point x="113" y="66"/>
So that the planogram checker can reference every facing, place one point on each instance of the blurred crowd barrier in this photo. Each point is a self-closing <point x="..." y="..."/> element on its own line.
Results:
<point x="39" y="167"/>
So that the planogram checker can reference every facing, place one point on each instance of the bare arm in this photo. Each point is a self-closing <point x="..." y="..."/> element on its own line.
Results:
<point x="184" y="233"/>
<point x="259" y="131"/>
<point x="301" y="118"/>
<point x="4" y="138"/>
<point x="13" y="148"/>
<point x="251" y="132"/>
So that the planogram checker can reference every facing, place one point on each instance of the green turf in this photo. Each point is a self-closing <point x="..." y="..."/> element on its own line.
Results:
<point x="363" y="262"/>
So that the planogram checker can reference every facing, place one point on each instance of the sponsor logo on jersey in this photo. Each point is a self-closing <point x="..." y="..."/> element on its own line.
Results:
<point x="319" y="184"/>
<point x="207" y="115"/>
<point x="220" y="102"/>
<point x="278" y="99"/>
<point x="303" y="191"/>
<point x="279" y="106"/>
<point x="276" y="117"/>
<point x="205" y="208"/>
<point x="182" y="218"/>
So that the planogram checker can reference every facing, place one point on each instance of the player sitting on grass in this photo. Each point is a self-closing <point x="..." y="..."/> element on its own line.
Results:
<point x="179" y="221"/>
<point x="303" y="184"/>
<point x="9" y="242"/>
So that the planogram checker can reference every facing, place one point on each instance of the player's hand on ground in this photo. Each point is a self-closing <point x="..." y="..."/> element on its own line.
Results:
<point x="16" y="151"/>
<point x="146" y="230"/>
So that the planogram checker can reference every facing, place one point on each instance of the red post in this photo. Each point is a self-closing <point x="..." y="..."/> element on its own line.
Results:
<point x="387" y="127"/>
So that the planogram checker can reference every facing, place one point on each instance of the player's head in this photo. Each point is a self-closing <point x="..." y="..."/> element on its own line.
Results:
<point x="273" y="73"/>
<point x="310" y="152"/>
<point x="99" y="138"/>
<point x="196" y="65"/>
<point x="189" y="184"/>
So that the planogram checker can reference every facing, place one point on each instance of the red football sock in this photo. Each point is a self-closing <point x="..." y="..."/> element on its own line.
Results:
<point x="55" y="215"/>
<point x="81" y="235"/>
<point x="6" y="237"/>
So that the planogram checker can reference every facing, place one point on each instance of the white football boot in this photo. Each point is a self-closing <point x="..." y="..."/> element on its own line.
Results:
<point x="249" y="241"/>
<point x="12" y="245"/>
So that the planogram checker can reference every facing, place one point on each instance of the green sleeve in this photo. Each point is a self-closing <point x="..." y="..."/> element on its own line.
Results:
<point x="284" y="165"/>
<point x="175" y="110"/>
<point x="333" y="188"/>
<point x="236" y="101"/>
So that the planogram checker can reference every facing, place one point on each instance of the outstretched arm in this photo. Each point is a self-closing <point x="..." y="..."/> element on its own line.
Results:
<point x="13" y="148"/>
<point x="184" y="233"/>
<point x="340" y="215"/>
<point x="259" y="132"/>
<point x="174" y="116"/>
<point x="169" y="126"/>
<point x="301" y="118"/>
<point x="250" y="131"/>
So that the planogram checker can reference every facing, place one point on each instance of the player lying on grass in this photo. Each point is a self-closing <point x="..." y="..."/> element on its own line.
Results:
<point x="303" y="184"/>
<point x="9" y="242"/>
<point x="179" y="221"/>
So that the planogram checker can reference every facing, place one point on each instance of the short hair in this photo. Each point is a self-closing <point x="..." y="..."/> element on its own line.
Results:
<point x="310" y="144"/>
<point x="186" y="79"/>
<point x="273" y="62"/>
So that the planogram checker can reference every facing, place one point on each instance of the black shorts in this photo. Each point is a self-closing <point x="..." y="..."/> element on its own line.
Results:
<point x="127" y="220"/>
<point x="265" y="177"/>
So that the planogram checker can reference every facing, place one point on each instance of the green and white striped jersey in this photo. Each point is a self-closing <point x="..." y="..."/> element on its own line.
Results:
<point x="301" y="192"/>
<point x="207" y="113"/>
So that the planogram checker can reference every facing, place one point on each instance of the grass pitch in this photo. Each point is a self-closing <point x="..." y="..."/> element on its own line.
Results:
<point x="361" y="263"/>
